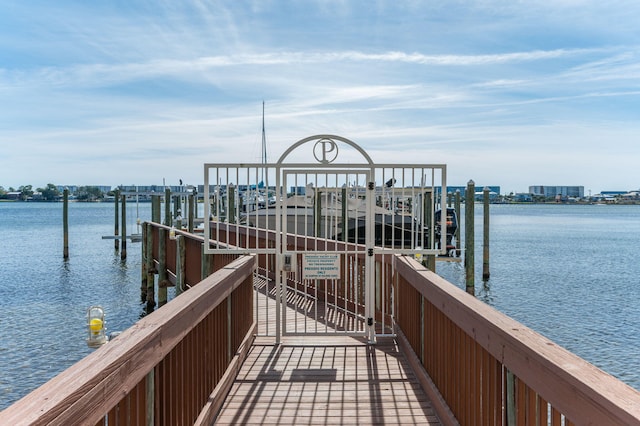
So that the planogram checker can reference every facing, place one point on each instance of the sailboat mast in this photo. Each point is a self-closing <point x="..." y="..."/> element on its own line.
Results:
<point x="264" y="146"/>
<point x="264" y="139"/>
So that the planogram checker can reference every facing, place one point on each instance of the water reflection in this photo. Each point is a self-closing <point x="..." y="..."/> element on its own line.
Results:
<point x="485" y="292"/>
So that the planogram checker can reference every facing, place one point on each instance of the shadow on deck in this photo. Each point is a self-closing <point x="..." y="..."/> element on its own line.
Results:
<point x="325" y="379"/>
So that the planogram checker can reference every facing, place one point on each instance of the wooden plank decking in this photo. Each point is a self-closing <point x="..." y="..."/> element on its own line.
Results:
<point x="331" y="379"/>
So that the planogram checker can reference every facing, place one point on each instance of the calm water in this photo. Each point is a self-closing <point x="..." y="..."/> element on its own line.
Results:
<point x="569" y="272"/>
<point x="43" y="299"/>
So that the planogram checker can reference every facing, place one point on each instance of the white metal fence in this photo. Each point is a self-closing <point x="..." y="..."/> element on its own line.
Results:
<point x="323" y="227"/>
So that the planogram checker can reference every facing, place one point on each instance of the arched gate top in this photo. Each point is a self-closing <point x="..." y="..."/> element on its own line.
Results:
<point x="325" y="149"/>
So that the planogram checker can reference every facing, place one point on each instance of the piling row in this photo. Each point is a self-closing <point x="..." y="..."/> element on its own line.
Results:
<point x="148" y="270"/>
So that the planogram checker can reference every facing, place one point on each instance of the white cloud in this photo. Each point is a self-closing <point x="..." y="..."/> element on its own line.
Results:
<point x="492" y="80"/>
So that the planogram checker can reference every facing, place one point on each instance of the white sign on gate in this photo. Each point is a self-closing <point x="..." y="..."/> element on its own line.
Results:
<point x="320" y="266"/>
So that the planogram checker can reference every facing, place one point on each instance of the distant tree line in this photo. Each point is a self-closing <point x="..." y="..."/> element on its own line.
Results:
<point x="51" y="193"/>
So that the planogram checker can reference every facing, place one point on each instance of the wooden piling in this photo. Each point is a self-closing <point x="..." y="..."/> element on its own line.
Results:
<point x="65" y="223"/>
<point x="231" y="204"/>
<point x="150" y="270"/>
<point x="123" y="227"/>
<point x="163" y="281"/>
<point x="204" y="263"/>
<point x="430" y="261"/>
<point x="207" y="264"/>
<point x="191" y="213"/>
<point x="180" y="264"/>
<point x="155" y="209"/>
<point x="485" y="233"/>
<point x="459" y="227"/>
<point x="167" y="207"/>
<point x="116" y="232"/>
<point x="469" y="236"/>
<point x="195" y="208"/>
<point x="143" y="264"/>
<point x="177" y="207"/>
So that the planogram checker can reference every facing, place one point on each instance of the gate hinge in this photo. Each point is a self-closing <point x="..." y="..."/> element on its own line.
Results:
<point x="372" y="186"/>
<point x="370" y="321"/>
<point x="370" y="252"/>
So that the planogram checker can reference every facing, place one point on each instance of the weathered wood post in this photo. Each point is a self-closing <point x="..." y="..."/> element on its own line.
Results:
<point x="167" y="207"/>
<point x="231" y="207"/>
<point x="178" y="221"/>
<point x="459" y="227"/>
<point x="143" y="264"/>
<point x="155" y="209"/>
<point x="116" y="232"/>
<point x="469" y="235"/>
<point x="65" y="223"/>
<point x="180" y="264"/>
<point x="204" y="263"/>
<point x="150" y="265"/>
<point x="163" y="282"/>
<point x="207" y="263"/>
<point x="123" y="227"/>
<point x="150" y="269"/>
<point x="177" y="209"/>
<point x="195" y="198"/>
<point x="430" y="261"/>
<point x="191" y="213"/>
<point x="485" y="234"/>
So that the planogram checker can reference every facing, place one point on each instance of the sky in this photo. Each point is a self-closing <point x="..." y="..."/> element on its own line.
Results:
<point x="504" y="92"/>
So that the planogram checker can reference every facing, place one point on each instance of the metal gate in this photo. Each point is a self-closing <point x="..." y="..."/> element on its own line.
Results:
<point x="329" y="283"/>
<point x="326" y="223"/>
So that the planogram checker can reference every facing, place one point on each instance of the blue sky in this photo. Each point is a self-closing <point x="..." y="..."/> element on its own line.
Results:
<point x="505" y="92"/>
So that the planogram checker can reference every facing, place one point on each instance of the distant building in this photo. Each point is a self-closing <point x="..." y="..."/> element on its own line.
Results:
<point x="494" y="191"/>
<point x="13" y="195"/>
<point x="72" y="188"/>
<point x="523" y="198"/>
<point x="554" y="191"/>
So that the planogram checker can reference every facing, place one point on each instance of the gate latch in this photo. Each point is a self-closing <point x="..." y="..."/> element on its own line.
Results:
<point x="370" y="321"/>
<point x="372" y="185"/>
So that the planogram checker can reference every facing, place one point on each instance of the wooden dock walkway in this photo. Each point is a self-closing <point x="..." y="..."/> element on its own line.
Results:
<point x="299" y="383"/>
<point x="332" y="379"/>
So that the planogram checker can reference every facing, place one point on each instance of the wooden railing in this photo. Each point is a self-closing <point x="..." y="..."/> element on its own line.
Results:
<point x="478" y="365"/>
<point x="175" y="365"/>
<point x="485" y="368"/>
<point x="172" y="367"/>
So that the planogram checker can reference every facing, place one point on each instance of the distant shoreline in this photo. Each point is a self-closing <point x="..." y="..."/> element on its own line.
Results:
<point x="537" y="203"/>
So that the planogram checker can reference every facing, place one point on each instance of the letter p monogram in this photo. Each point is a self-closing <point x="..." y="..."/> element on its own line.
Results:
<point x="325" y="151"/>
